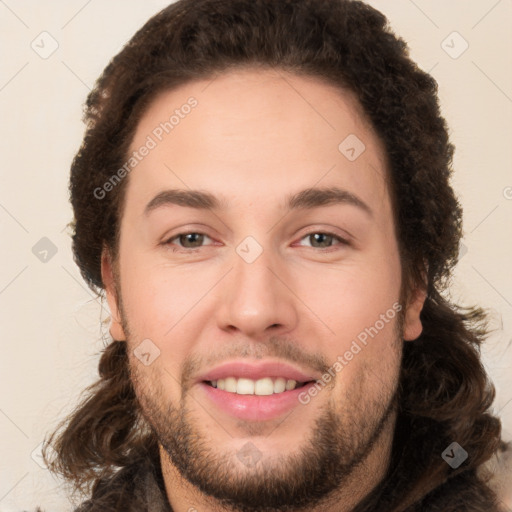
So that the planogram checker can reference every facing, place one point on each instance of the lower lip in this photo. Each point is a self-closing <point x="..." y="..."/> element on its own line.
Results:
<point x="255" y="407"/>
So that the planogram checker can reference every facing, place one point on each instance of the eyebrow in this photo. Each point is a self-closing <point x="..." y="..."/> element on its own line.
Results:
<point x="309" y="198"/>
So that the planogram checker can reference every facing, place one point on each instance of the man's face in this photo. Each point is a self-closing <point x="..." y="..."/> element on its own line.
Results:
<point x="261" y="292"/>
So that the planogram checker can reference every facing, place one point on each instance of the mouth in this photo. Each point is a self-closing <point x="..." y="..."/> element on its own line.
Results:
<point x="261" y="387"/>
<point x="255" y="391"/>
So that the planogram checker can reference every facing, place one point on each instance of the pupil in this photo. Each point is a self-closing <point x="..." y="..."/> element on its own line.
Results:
<point x="191" y="235"/>
<point x="316" y="235"/>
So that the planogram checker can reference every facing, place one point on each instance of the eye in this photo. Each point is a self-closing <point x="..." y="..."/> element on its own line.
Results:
<point x="194" y="240"/>
<point x="323" y="239"/>
<point x="190" y="240"/>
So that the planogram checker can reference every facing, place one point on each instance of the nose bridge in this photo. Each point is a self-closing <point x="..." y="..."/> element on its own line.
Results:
<point x="253" y="265"/>
<point x="255" y="297"/>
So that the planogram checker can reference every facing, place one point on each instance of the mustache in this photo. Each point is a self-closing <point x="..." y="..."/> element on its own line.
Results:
<point x="275" y="347"/>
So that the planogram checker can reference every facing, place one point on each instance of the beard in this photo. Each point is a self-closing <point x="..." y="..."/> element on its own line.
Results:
<point x="341" y="439"/>
<point x="339" y="442"/>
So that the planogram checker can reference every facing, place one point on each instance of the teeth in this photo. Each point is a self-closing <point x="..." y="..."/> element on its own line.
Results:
<point x="264" y="387"/>
<point x="279" y="385"/>
<point x="260" y="387"/>
<point x="290" y="384"/>
<point x="230" y="384"/>
<point x="246" y="387"/>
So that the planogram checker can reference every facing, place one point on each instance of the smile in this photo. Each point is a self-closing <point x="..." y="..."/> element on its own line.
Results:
<point x="261" y="387"/>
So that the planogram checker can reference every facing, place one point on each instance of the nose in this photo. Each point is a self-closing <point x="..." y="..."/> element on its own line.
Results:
<point x="256" y="297"/>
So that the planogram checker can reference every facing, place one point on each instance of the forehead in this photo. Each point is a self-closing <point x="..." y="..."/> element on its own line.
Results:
<point x="254" y="136"/>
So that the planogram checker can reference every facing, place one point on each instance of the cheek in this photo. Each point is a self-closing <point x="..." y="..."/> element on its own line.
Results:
<point x="154" y="386"/>
<point x="155" y="295"/>
<point x="360" y="305"/>
<point x="365" y="353"/>
<point x="155" y="305"/>
<point x="353" y="298"/>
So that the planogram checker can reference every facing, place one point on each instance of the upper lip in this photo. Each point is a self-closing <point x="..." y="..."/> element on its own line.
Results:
<point x="256" y="371"/>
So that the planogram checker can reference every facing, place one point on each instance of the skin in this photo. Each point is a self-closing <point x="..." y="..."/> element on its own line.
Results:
<point x="254" y="138"/>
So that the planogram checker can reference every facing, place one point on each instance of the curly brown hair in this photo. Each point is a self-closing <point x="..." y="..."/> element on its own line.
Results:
<point x="445" y="394"/>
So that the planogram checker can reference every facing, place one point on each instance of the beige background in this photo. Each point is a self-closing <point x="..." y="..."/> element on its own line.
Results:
<point x="51" y="330"/>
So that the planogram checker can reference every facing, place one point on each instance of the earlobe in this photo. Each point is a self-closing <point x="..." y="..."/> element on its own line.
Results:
<point x="107" y="276"/>
<point x="412" y="322"/>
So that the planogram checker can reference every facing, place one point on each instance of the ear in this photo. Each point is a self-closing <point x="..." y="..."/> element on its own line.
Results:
<point x="412" y="323"/>
<point x="107" y="275"/>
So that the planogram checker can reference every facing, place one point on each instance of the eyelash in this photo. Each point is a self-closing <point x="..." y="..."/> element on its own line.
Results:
<point x="342" y="241"/>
